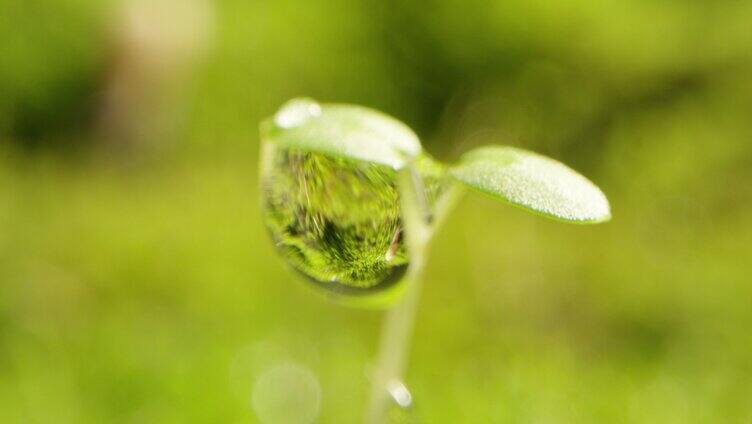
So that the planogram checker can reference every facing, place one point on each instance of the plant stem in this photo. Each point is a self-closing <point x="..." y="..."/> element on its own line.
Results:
<point x="398" y="323"/>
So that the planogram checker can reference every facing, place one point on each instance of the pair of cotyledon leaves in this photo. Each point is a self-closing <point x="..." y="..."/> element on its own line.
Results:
<point x="519" y="177"/>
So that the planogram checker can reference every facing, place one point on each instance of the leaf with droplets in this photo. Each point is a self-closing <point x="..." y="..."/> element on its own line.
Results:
<point x="344" y="131"/>
<point x="533" y="182"/>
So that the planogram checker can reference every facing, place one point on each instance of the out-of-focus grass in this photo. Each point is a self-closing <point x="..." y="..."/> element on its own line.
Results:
<point x="119" y="307"/>
<point x="145" y="289"/>
<point x="156" y="296"/>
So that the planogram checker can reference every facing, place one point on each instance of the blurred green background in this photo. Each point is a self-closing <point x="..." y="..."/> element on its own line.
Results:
<point x="137" y="284"/>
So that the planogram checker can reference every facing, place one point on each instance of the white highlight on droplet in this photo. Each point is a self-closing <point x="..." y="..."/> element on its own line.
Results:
<point x="296" y="112"/>
<point x="389" y="255"/>
<point x="400" y="394"/>
<point x="287" y="393"/>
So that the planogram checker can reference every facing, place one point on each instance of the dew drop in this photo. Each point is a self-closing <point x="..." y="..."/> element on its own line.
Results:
<point x="296" y="112"/>
<point x="400" y="394"/>
<point x="335" y="220"/>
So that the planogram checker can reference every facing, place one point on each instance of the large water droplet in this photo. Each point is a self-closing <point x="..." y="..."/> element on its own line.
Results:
<point x="335" y="220"/>
<point x="296" y="112"/>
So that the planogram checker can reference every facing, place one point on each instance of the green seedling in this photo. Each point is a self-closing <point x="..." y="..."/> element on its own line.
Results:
<point x="351" y="201"/>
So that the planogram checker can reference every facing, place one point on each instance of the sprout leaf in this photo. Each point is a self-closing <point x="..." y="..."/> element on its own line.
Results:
<point x="533" y="182"/>
<point x="345" y="131"/>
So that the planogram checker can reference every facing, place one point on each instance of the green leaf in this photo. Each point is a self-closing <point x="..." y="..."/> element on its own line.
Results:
<point x="345" y="131"/>
<point x="533" y="182"/>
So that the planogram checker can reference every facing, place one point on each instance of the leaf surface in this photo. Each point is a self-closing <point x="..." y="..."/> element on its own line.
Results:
<point x="345" y="131"/>
<point x="533" y="182"/>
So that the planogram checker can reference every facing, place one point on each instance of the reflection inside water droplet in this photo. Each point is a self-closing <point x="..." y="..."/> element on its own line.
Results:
<point x="335" y="220"/>
<point x="296" y="112"/>
<point x="400" y="394"/>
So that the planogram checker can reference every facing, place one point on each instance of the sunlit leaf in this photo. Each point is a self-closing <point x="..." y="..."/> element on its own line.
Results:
<point x="345" y="131"/>
<point x="533" y="182"/>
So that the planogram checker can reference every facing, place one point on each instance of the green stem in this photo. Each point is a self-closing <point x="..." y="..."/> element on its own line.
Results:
<point x="398" y="323"/>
